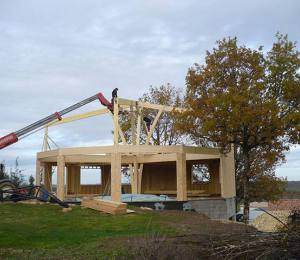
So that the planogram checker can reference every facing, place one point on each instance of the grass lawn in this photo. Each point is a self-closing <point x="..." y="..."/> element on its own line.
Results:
<point x="37" y="231"/>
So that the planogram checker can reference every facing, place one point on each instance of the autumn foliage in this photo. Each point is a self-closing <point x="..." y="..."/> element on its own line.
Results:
<point x="248" y="98"/>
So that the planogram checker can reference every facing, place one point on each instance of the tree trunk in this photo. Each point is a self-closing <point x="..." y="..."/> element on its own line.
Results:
<point x="246" y="198"/>
<point x="245" y="179"/>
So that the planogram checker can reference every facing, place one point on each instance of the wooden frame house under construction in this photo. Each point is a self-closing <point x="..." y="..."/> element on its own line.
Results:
<point x="153" y="169"/>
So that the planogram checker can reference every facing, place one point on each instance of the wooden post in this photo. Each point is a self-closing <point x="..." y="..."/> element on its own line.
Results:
<point x="60" y="177"/>
<point x="134" y="185"/>
<point x="181" y="176"/>
<point x="116" y="176"/>
<point x="38" y="173"/>
<point x="133" y="125"/>
<point x="140" y="176"/>
<point x="116" y="121"/>
<point x="48" y="176"/>
<point x="138" y="127"/>
<point x="227" y="175"/>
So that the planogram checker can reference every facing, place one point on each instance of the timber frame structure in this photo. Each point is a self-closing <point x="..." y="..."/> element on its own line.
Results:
<point x="153" y="169"/>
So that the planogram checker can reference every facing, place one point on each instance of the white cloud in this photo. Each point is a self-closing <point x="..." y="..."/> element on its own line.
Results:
<point x="55" y="53"/>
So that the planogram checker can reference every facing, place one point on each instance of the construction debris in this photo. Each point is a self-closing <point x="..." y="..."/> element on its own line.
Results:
<point x="107" y="206"/>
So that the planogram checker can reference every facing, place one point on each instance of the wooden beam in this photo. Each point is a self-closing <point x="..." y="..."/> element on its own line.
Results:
<point x="87" y="159"/>
<point x="153" y="125"/>
<point x="116" y="176"/>
<point x="144" y="149"/>
<point x="45" y="141"/>
<point x="122" y="135"/>
<point x="127" y="102"/>
<point x="201" y="150"/>
<point x="159" y="107"/>
<point x="60" y="177"/>
<point x="191" y="157"/>
<point x="41" y="155"/>
<point x="79" y="117"/>
<point x="157" y="158"/>
<point x="86" y="150"/>
<point x="120" y="132"/>
<point x="181" y="177"/>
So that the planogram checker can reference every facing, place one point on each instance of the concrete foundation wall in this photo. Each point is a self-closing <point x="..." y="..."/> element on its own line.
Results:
<point x="214" y="208"/>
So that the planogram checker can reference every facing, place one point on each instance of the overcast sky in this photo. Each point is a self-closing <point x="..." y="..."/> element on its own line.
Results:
<point x="55" y="53"/>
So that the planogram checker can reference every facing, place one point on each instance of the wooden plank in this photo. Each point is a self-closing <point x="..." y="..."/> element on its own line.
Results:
<point x="60" y="192"/>
<point x="181" y="177"/>
<point x="107" y="206"/>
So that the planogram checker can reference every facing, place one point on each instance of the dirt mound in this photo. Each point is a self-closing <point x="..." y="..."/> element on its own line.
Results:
<point x="267" y="223"/>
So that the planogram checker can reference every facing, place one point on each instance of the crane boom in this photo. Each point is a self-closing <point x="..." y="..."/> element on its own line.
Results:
<point x="14" y="136"/>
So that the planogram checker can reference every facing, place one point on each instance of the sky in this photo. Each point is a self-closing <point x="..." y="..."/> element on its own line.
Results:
<point x="55" y="53"/>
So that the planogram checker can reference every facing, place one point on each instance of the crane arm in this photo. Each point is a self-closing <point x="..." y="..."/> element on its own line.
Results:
<point x="14" y="136"/>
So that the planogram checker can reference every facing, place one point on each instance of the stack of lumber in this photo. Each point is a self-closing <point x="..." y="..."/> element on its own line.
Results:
<point x="111" y="207"/>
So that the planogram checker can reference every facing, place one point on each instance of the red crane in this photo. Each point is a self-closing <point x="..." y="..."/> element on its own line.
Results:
<point x="14" y="136"/>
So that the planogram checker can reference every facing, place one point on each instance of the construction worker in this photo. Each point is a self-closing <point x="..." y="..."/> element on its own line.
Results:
<point x="114" y="94"/>
<point x="148" y="122"/>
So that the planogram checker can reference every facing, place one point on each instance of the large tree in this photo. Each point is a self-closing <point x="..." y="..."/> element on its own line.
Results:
<point x="248" y="98"/>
